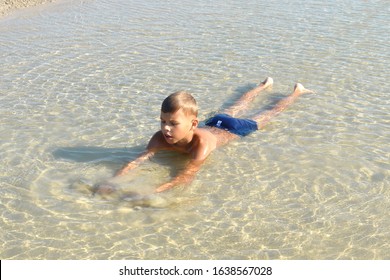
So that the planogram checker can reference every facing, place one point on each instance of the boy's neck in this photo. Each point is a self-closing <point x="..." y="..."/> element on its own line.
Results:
<point x="186" y="142"/>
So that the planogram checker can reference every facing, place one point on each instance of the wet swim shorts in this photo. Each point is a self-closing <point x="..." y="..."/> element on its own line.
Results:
<point x="237" y="126"/>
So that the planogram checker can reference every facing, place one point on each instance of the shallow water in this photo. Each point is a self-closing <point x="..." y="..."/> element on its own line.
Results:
<point x="81" y="85"/>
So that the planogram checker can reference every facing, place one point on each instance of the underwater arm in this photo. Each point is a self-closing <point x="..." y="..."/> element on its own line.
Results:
<point x="156" y="144"/>
<point x="134" y="163"/>
<point x="184" y="177"/>
<point x="203" y="147"/>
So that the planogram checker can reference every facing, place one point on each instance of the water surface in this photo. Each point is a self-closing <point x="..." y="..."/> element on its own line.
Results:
<point x="81" y="86"/>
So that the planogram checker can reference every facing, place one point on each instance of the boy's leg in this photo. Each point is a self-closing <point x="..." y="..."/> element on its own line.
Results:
<point x="264" y="118"/>
<point x="244" y="101"/>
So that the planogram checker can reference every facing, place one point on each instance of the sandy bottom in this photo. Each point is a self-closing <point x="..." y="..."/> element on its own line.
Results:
<point x="8" y="6"/>
<point x="81" y="89"/>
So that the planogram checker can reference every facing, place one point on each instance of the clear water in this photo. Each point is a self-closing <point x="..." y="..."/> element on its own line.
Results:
<point x="81" y="86"/>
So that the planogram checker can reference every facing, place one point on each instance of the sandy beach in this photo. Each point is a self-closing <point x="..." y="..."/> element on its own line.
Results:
<point x="8" y="6"/>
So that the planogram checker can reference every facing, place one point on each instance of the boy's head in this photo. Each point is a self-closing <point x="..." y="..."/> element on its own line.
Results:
<point x="180" y="100"/>
<point x="179" y="117"/>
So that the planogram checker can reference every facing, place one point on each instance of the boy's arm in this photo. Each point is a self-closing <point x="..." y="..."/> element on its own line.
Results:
<point x="203" y="147"/>
<point x="184" y="177"/>
<point x="134" y="163"/>
<point x="156" y="143"/>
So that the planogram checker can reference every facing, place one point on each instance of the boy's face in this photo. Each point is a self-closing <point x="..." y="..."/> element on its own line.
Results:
<point x="178" y="127"/>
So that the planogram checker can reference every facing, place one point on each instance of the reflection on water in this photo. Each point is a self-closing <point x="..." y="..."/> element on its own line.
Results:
<point x="80" y="95"/>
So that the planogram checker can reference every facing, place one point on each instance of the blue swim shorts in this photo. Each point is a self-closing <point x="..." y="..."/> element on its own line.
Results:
<point x="241" y="127"/>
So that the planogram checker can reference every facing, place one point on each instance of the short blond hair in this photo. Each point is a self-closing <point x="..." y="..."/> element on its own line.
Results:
<point x="180" y="100"/>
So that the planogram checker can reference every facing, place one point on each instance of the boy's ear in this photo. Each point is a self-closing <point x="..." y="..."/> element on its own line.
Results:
<point x="195" y="123"/>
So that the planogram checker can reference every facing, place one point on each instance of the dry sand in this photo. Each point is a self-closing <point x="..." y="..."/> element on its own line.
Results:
<point x="7" y="6"/>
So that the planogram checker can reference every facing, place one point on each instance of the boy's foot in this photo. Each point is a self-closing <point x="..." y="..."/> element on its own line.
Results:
<point x="268" y="82"/>
<point x="300" y="89"/>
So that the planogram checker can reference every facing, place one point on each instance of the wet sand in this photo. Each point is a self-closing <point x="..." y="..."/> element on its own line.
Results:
<point x="9" y="6"/>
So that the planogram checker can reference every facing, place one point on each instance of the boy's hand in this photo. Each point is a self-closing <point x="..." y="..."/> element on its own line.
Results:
<point x="121" y="172"/>
<point x="164" y="187"/>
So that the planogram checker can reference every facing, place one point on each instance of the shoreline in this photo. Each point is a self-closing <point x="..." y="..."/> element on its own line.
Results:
<point x="7" y="7"/>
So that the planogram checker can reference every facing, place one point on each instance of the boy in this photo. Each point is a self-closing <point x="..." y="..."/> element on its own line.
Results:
<point x="180" y="132"/>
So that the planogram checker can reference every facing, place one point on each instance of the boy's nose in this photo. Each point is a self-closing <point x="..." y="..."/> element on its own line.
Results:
<point x="166" y="128"/>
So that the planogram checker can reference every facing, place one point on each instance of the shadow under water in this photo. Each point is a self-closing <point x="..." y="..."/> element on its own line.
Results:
<point x="97" y="154"/>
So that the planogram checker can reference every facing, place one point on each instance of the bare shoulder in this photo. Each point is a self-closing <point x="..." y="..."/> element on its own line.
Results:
<point x="204" y="142"/>
<point x="205" y="135"/>
<point x="157" y="142"/>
